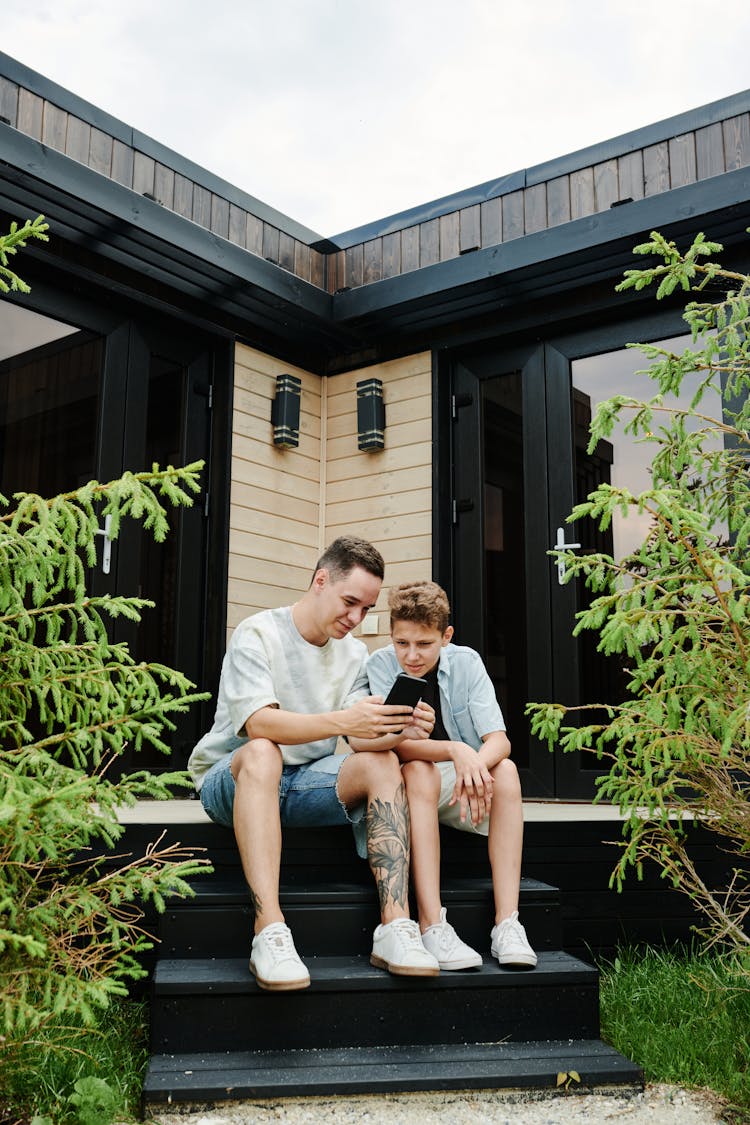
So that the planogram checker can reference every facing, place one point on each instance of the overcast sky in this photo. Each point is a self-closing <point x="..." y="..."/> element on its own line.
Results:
<point x="340" y="112"/>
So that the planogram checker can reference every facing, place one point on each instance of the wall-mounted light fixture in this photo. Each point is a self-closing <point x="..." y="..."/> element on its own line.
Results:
<point x="285" y="411"/>
<point x="370" y="415"/>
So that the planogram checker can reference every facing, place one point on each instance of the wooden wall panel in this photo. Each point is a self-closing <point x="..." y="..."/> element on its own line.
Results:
<point x="535" y="208"/>
<point x="449" y="236"/>
<point x="558" y="201"/>
<point x="391" y="254"/>
<point x="429" y="242"/>
<point x="606" y="185"/>
<point x="373" y="260"/>
<point x="656" y="168"/>
<point x="471" y="236"/>
<point x="100" y="152"/>
<point x="737" y="141"/>
<point x="54" y="126"/>
<point x="384" y="496"/>
<point x="512" y="215"/>
<point x="709" y="151"/>
<point x="410" y="249"/>
<point x="78" y="139"/>
<point x="143" y="174"/>
<point x="682" y="162"/>
<point x="275" y="526"/>
<point x="8" y="101"/>
<point x="581" y="193"/>
<point x="630" y="175"/>
<point x="491" y="221"/>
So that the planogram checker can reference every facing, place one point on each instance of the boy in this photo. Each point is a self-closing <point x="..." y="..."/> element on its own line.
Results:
<point x="461" y="770"/>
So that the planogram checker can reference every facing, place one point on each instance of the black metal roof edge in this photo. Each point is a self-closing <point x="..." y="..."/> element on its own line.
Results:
<point x="23" y="75"/>
<point x="694" y="201"/>
<point x="47" y="165"/>
<point x="549" y="170"/>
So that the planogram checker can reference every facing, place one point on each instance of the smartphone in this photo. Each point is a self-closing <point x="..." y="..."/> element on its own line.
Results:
<point x="406" y="690"/>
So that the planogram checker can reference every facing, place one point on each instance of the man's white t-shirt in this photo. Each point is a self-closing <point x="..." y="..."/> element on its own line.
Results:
<point x="268" y="662"/>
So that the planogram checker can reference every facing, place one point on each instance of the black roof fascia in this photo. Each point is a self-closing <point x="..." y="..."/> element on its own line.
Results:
<point x="484" y="269"/>
<point x="178" y="237"/>
<point x="23" y="75"/>
<point x="549" y="170"/>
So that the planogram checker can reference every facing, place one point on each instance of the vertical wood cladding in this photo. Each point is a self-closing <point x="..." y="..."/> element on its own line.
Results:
<point x="710" y="150"/>
<point x="286" y="504"/>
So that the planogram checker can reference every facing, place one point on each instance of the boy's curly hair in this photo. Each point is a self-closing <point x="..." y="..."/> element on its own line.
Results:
<point x="423" y="602"/>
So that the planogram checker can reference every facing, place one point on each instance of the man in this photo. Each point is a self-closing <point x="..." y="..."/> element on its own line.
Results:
<point x="462" y="769"/>
<point x="292" y="682"/>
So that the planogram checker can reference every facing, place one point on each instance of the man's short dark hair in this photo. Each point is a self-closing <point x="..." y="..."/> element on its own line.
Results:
<point x="345" y="553"/>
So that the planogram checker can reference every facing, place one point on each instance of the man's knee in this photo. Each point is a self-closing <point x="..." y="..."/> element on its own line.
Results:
<point x="258" y="763"/>
<point x="422" y="780"/>
<point x="377" y="769"/>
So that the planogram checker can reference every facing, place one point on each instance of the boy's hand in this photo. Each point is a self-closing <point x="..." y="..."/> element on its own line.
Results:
<point x="473" y="788"/>
<point x="370" y="718"/>
<point x="421" y="723"/>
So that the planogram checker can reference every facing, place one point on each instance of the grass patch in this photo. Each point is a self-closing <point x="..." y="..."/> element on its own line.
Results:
<point x="40" y="1078"/>
<point x="684" y="1016"/>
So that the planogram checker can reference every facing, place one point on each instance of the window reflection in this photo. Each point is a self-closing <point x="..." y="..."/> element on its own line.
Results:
<point x="622" y="461"/>
<point x="50" y="375"/>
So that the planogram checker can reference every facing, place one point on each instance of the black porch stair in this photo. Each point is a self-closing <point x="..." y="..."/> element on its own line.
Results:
<point x="215" y="1035"/>
<point x="362" y="1070"/>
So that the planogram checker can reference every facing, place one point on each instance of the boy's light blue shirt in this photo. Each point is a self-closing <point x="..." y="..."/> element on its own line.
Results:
<point x="467" y="696"/>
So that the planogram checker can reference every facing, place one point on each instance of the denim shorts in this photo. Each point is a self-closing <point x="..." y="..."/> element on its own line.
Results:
<point x="308" y="796"/>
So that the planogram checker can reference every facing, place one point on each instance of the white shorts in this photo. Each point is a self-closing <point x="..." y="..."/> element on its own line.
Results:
<point x="451" y="814"/>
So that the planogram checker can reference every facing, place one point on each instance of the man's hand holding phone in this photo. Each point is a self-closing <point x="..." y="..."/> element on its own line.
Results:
<point x="372" y="718"/>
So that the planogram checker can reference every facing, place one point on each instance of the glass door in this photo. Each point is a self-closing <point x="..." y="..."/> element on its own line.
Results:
<point x="519" y="466"/>
<point x="78" y="404"/>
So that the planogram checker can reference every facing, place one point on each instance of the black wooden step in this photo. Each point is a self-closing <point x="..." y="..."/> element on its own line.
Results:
<point x="201" y="1004"/>
<point x="338" y="917"/>
<point x="356" y="1070"/>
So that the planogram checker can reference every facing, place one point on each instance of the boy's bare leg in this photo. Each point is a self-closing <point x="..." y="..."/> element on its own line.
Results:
<point x="505" y="842"/>
<point x="422" y="781"/>
<point x="256" y="769"/>
<point x="375" y="778"/>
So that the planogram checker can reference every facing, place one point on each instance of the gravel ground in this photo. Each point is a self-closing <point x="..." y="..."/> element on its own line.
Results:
<point x="657" y="1105"/>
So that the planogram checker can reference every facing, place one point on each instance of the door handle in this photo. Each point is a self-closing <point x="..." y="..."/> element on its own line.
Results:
<point x="107" y="551"/>
<point x="561" y="545"/>
<point x="460" y="506"/>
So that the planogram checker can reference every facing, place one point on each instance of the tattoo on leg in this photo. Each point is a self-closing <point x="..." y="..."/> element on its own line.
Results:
<point x="388" y="847"/>
<point x="254" y="900"/>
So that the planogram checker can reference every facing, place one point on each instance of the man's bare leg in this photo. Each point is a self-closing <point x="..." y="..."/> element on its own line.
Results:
<point x="256" y="768"/>
<point x="505" y="842"/>
<point x="375" y="778"/>
<point x="422" y="781"/>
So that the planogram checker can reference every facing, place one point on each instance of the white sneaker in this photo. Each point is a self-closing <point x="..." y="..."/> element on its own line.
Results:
<point x="442" y="941"/>
<point x="510" y="945"/>
<point x="275" y="961"/>
<point x="398" y="948"/>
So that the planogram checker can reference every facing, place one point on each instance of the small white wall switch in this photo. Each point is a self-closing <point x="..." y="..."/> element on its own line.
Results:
<point x="370" y="625"/>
